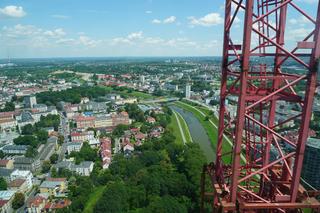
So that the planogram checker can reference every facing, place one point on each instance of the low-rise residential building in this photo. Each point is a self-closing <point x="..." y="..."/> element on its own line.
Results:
<point x="6" y="194"/>
<point x="36" y="205"/>
<point x="6" y="174"/>
<point x="6" y="198"/>
<point x="81" y="136"/>
<point x="24" y="163"/>
<point x="22" y="174"/>
<point x="74" y="147"/>
<point x="54" y="186"/>
<point x="85" y="122"/>
<point x="121" y="118"/>
<point x="128" y="148"/>
<point x="103" y="121"/>
<point x="53" y="206"/>
<point x="84" y="168"/>
<point x="8" y="124"/>
<point x="94" y="106"/>
<point x="6" y="163"/>
<point x="151" y="120"/>
<point x="19" y="185"/>
<point x="156" y="132"/>
<point x="5" y="206"/>
<point x="15" y="149"/>
<point x="140" y="137"/>
<point x="105" y="152"/>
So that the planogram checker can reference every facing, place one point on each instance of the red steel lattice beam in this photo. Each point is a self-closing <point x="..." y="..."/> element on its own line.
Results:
<point x="244" y="176"/>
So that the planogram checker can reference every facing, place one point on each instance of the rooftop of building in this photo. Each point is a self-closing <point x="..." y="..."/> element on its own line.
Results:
<point x="4" y="162"/>
<point x="15" y="147"/>
<point x="23" y="173"/>
<point x="50" y="184"/>
<point x="5" y="172"/>
<point x="17" y="182"/>
<point x="3" y="202"/>
<point x="6" y="194"/>
<point x="314" y="142"/>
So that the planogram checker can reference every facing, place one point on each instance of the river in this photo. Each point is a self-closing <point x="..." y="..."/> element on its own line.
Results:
<point x="198" y="133"/>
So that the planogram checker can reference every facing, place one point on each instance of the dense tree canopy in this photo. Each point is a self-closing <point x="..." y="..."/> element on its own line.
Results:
<point x="135" y="112"/>
<point x="161" y="176"/>
<point x="9" y="106"/>
<point x="26" y="140"/>
<point x="73" y="95"/>
<point x="86" y="154"/>
<point x="18" y="200"/>
<point x="3" y="184"/>
<point x="49" y="121"/>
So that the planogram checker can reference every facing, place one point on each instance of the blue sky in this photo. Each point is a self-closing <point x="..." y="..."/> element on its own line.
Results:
<point x="71" y="28"/>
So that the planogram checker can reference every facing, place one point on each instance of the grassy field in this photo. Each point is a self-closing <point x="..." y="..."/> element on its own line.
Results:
<point x="93" y="199"/>
<point x="141" y="95"/>
<point x="175" y="129"/>
<point x="185" y="128"/>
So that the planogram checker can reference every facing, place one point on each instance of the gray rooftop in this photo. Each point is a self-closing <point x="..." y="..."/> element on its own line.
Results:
<point x="314" y="142"/>
<point x="15" y="147"/>
<point x="5" y="172"/>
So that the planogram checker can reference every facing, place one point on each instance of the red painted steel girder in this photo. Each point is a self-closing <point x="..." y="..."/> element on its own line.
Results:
<point x="261" y="169"/>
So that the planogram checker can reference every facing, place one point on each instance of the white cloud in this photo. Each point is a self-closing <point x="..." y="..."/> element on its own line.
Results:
<point x="30" y="35"/>
<point x="141" y="41"/>
<point x="21" y="31"/>
<point x="129" y="39"/>
<point x="12" y="11"/>
<point x="57" y="33"/>
<point x="120" y="40"/>
<point x="58" y="16"/>
<point x="210" y="19"/>
<point x="65" y="41"/>
<point x="169" y="20"/>
<point x="135" y="35"/>
<point x="86" y="41"/>
<point x="156" y="21"/>
<point x="148" y="12"/>
<point x="297" y="34"/>
<point x="302" y="20"/>
<point x="151" y="40"/>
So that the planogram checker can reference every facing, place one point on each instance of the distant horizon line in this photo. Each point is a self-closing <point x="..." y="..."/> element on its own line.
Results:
<point x="75" y="57"/>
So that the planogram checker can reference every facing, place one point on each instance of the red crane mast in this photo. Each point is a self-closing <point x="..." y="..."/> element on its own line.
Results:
<point x="258" y="162"/>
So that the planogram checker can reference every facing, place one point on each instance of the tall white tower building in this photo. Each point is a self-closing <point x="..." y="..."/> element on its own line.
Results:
<point x="142" y="79"/>
<point x="188" y="91"/>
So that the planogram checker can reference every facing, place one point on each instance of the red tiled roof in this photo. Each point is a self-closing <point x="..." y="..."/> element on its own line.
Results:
<point x="56" y="179"/>
<point x="3" y="202"/>
<point x="3" y="162"/>
<point x="58" y="204"/>
<point x="16" y="182"/>
<point x="36" y="201"/>
<point x="140" y="136"/>
<point x="6" y="114"/>
<point x="84" y="118"/>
